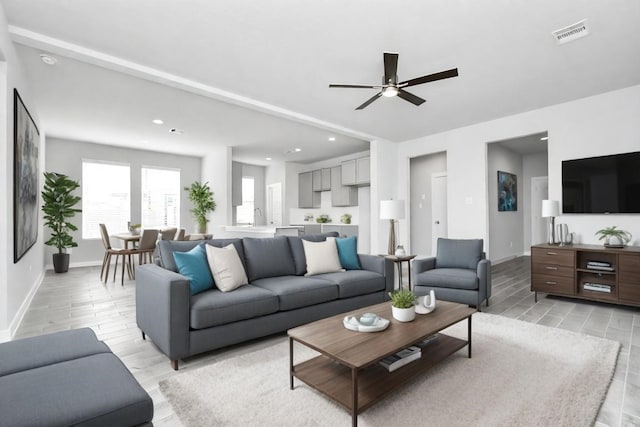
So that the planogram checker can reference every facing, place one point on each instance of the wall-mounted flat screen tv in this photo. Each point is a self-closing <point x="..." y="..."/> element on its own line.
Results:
<point x="601" y="185"/>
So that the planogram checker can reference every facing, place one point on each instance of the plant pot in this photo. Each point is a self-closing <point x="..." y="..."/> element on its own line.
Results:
<point x="613" y="242"/>
<point x="61" y="263"/>
<point x="403" y="314"/>
<point x="201" y="228"/>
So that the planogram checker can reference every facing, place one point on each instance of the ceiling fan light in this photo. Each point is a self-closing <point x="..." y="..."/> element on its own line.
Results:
<point x="390" y="91"/>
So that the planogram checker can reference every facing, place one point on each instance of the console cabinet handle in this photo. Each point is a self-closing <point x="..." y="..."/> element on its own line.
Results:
<point x="552" y="253"/>
<point x="551" y="268"/>
<point x="551" y="283"/>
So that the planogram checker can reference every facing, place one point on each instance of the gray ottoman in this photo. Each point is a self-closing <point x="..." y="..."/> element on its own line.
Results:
<point x="68" y="378"/>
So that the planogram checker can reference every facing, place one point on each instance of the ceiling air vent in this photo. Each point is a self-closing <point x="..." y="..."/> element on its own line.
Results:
<point x="572" y="32"/>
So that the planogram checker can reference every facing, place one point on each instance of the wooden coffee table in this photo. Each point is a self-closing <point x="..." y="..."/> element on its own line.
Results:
<point x="357" y="381"/>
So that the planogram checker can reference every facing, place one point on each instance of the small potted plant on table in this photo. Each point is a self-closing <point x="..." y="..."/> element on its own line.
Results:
<point x="614" y="237"/>
<point x="403" y="305"/>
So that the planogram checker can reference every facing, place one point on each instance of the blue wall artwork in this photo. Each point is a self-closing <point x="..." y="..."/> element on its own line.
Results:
<point x="507" y="192"/>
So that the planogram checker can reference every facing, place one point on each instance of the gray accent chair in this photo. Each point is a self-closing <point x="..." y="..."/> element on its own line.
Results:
<point x="278" y="297"/>
<point x="459" y="272"/>
<point x="68" y="378"/>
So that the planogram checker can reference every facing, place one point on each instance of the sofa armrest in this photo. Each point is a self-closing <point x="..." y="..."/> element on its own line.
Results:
<point x="421" y="265"/>
<point x="381" y="265"/>
<point x="484" y="276"/>
<point x="163" y="308"/>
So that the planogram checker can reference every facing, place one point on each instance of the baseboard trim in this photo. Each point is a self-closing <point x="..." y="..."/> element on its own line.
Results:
<point x="8" y="334"/>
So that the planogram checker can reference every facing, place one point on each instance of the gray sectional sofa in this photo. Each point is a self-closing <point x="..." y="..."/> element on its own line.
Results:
<point x="278" y="296"/>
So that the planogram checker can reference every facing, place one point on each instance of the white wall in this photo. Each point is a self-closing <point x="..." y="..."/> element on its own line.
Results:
<point x="18" y="282"/>
<point x="216" y="170"/>
<point x="384" y="186"/>
<point x="66" y="156"/>
<point x="593" y="126"/>
<point x="533" y="165"/>
<point x="506" y="229"/>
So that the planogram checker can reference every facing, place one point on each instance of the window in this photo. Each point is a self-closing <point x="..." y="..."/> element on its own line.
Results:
<point x="245" y="212"/>
<point x="106" y="197"/>
<point x="160" y="197"/>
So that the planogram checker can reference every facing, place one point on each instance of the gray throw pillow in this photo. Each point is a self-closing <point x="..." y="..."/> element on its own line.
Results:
<point x="459" y="253"/>
<point x="269" y="257"/>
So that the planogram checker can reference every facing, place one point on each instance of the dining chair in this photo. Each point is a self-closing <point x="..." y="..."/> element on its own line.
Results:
<point x="146" y="247"/>
<point x="168" y="233"/>
<point x="180" y="234"/>
<point x="108" y="253"/>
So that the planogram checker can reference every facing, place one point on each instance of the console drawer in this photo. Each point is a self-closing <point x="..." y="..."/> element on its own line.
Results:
<point x="553" y="284"/>
<point x="553" y="256"/>
<point x="552" y="270"/>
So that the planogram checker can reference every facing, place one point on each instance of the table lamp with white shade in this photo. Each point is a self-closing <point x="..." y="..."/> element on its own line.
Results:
<point x="551" y="209"/>
<point x="392" y="210"/>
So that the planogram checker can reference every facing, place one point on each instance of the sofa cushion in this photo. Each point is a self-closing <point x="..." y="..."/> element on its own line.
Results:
<point x="295" y="243"/>
<point x="459" y="253"/>
<point x="458" y="278"/>
<point x="96" y="390"/>
<point x="166" y="248"/>
<point x="34" y="352"/>
<point x="355" y="282"/>
<point x="322" y="257"/>
<point x="295" y="291"/>
<point x="226" y="267"/>
<point x="270" y="257"/>
<point x="348" y="253"/>
<point x="193" y="265"/>
<point x="213" y="308"/>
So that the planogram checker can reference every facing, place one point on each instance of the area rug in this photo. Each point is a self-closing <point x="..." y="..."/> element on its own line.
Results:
<point x="521" y="374"/>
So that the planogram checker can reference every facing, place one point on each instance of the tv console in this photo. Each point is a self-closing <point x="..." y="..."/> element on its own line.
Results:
<point x="591" y="272"/>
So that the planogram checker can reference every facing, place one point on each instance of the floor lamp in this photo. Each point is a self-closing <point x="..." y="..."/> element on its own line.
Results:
<point x="392" y="210"/>
<point x="551" y="209"/>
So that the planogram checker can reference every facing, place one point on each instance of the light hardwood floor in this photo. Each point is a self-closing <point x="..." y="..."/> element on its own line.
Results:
<point x="78" y="299"/>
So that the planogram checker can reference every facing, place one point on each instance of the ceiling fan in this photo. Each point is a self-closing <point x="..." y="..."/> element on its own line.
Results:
<point x="390" y="86"/>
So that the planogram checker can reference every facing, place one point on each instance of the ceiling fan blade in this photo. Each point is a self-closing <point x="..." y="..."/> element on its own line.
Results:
<point x="369" y="101"/>
<point x="415" y="100"/>
<point x="390" y="67"/>
<point x="430" y="78"/>
<point x="357" y="86"/>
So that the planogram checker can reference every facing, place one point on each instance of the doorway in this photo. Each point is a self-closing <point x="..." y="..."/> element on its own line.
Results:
<point x="428" y="176"/>
<point x="274" y="204"/>
<point x="539" y="192"/>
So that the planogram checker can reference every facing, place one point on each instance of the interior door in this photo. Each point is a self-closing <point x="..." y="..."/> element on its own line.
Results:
<point x="438" y="208"/>
<point x="274" y="204"/>
<point x="539" y="192"/>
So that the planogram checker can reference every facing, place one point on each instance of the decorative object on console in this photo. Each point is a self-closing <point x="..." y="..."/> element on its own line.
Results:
<point x="58" y="207"/>
<point x="400" y="252"/>
<point x="507" y="192"/>
<point x="564" y="237"/>
<point x="323" y="219"/>
<point x="614" y="237"/>
<point x="345" y="218"/>
<point x="392" y="210"/>
<point x="403" y="305"/>
<point x="551" y="209"/>
<point x="202" y="198"/>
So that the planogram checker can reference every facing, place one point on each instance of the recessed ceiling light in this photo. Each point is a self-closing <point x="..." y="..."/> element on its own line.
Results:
<point x="48" y="59"/>
<point x="332" y="138"/>
<point x="544" y="138"/>
<point x="268" y="158"/>
<point x="297" y="150"/>
<point x="157" y="121"/>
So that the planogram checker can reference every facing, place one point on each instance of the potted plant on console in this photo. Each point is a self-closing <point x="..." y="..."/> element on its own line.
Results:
<point x="403" y="305"/>
<point x="202" y="198"/>
<point x="614" y="237"/>
<point x="58" y="207"/>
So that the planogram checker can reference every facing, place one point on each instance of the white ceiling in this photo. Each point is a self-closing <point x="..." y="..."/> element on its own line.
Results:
<point x="123" y="63"/>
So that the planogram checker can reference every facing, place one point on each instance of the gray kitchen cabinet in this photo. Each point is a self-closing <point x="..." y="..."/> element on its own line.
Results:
<point x="317" y="180"/>
<point x="342" y="195"/>
<point x="356" y="172"/>
<point x="342" y="230"/>
<point x="307" y="198"/>
<point x="236" y="184"/>
<point x="326" y="179"/>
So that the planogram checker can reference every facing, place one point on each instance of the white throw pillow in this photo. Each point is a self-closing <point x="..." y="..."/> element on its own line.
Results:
<point x="226" y="267"/>
<point x="322" y="257"/>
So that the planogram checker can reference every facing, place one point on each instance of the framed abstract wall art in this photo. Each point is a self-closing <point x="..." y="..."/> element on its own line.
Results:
<point x="507" y="192"/>
<point x="26" y="140"/>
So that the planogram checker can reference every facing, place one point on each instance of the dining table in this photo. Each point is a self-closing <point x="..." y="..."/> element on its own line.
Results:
<point x="126" y="238"/>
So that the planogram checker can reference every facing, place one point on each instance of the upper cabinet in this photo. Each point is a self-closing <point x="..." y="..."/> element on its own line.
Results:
<point x="342" y="195"/>
<point x="236" y="184"/>
<point x="356" y="172"/>
<point x="322" y="179"/>
<point x="307" y="198"/>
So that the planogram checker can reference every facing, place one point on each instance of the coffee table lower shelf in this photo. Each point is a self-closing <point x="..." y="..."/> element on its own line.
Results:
<point x="335" y="380"/>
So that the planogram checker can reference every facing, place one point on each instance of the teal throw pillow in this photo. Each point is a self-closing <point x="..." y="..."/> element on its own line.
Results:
<point x="348" y="253"/>
<point x="194" y="266"/>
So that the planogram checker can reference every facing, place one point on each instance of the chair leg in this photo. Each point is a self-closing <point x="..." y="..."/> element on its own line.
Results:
<point x="104" y="263"/>
<point x="124" y="261"/>
<point x="107" y="268"/>
<point x="115" y="270"/>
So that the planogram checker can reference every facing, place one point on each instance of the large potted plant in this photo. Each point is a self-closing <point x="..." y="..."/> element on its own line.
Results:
<point x="58" y="207"/>
<point x="614" y="237"/>
<point x="202" y="198"/>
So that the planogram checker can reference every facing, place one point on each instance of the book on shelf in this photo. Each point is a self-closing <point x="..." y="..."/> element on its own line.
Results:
<point x="425" y="342"/>
<point x="599" y="267"/>
<point x="401" y="358"/>
<point x="597" y="287"/>
<point x="600" y="263"/>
